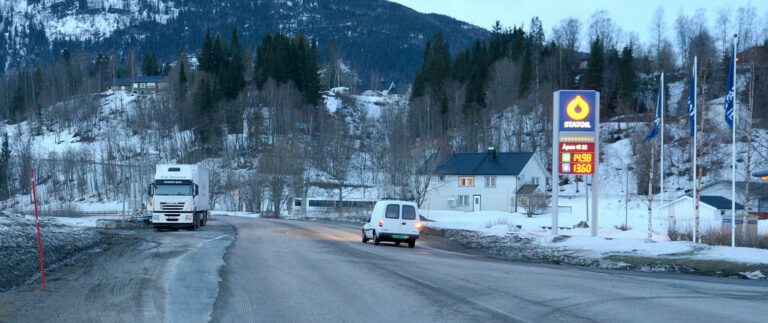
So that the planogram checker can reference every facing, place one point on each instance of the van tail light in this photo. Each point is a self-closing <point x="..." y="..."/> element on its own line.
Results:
<point x="419" y="226"/>
<point x="381" y="223"/>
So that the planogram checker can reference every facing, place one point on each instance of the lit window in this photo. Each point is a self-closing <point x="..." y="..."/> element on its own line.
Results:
<point x="463" y="200"/>
<point x="490" y="181"/>
<point x="466" y="181"/>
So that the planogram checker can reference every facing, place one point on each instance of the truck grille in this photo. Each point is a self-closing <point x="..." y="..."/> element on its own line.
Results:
<point x="172" y="206"/>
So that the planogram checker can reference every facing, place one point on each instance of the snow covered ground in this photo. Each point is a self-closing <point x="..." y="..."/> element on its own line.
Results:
<point x="610" y="241"/>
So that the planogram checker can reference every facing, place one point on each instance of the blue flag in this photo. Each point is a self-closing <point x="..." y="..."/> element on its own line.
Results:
<point x="692" y="100"/>
<point x="731" y="90"/>
<point x="657" y="121"/>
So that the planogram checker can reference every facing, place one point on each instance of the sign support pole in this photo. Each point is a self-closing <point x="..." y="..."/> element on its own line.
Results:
<point x="596" y="162"/>
<point x="555" y="165"/>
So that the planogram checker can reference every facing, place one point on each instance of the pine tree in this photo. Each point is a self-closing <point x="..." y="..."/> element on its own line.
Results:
<point x="181" y="81"/>
<point x="232" y="79"/>
<point x="220" y="55"/>
<point x="5" y="158"/>
<point x="18" y="103"/>
<point x="206" y="53"/>
<point x="593" y="78"/>
<point x="627" y="75"/>
<point x="149" y="65"/>
<point x="284" y="60"/>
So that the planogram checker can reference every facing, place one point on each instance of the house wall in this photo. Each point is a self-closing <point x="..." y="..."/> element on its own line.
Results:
<point x="683" y="212"/>
<point x="497" y="198"/>
<point x="500" y="198"/>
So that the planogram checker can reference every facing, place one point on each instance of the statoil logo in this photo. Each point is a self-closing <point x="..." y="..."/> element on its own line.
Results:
<point x="577" y="110"/>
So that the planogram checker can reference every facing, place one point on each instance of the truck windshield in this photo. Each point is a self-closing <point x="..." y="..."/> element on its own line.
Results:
<point x="166" y="189"/>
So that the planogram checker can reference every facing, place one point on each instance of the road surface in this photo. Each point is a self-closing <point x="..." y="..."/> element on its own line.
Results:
<point x="261" y="270"/>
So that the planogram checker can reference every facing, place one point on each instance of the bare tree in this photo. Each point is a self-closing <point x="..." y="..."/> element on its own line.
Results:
<point x="277" y="166"/>
<point x="658" y="30"/>
<point x="746" y="23"/>
<point x="566" y="36"/>
<point x="602" y="26"/>
<point x="722" y="22"/>
<point x="536" y="203"/>
<point x="685" y="33"/>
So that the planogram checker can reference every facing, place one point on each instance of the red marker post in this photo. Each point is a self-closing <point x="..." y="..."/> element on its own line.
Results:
<point x="37" y="222"/>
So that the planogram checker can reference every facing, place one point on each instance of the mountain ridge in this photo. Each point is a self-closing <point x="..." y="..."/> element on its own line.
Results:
<point x="372" y="35"/>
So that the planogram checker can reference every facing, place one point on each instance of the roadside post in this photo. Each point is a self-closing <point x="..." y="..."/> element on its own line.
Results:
<point x="575" y="144"/>
<point x="37" y="223"/>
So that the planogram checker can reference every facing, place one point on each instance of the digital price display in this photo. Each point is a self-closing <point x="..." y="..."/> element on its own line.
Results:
<point x="577" y="158"/>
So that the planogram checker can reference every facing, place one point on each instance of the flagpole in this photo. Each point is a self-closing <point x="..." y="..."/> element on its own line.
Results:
<point x="661" y="163"/>
<point x="733" y="149"/>
<point x="695" y="150"/>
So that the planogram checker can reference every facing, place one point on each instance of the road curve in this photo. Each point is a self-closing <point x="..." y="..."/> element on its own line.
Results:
<point x="288" y="271"/>
<point x="262" y="270"/>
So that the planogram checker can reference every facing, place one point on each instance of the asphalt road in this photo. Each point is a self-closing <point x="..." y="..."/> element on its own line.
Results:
<point x="260" y="270"/>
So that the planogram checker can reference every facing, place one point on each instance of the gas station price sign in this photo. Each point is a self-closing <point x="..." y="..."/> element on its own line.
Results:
<point x="577" y="158"/>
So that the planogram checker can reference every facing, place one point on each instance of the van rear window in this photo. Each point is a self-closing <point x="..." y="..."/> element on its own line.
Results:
<point x="409" y="212"/>
<point x="393" y="211"/>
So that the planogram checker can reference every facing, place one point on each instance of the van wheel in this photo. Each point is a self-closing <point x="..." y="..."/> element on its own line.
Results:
<point x="376" y="240"/>
<point x="411" y="243"/>
<point x="365" y="238"/>
<point x="397" y="243"/>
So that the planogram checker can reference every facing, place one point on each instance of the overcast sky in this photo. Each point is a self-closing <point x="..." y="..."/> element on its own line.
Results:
<point x="630" y="16"/>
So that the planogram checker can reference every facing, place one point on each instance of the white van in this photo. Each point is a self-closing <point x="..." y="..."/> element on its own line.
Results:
<point x="396" y="221"/>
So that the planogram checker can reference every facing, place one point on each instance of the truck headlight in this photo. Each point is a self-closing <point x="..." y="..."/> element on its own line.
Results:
<point x="188" y="217"/>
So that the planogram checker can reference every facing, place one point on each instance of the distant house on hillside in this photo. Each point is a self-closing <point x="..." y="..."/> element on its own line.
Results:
<point x="139" y="84"/>
<point x="487" y="181"/>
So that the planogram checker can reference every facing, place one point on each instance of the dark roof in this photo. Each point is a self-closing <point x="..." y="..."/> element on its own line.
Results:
<point x="755" y="188"/>
<point x="127" y="81"/>
<point x="527" y="189"/>
<point x="719" y="202"/>
<point x="119" y="82"/>
<point x="483" y="164"/>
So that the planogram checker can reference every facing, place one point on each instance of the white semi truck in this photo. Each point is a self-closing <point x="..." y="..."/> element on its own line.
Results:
<point x="179" y="196"/>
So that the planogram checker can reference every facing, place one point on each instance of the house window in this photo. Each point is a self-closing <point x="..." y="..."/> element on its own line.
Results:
<point x="490" y="181"/>
<point x="441" y="178"/>
<point x="535" y="180"/>
<point x="463" y="200"/>
<point x="466" y="181"/>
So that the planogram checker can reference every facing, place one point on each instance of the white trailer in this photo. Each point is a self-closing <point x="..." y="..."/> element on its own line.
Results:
<point x="179" y="196"/>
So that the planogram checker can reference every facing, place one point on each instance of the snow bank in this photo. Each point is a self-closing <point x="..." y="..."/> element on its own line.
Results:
<point x="578" y="242"/>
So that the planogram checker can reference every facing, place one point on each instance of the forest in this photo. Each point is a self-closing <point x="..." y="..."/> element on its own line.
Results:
<point x="259" y="115"/>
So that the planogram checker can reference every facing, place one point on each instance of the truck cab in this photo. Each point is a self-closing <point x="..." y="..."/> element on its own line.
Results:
<point x="179" y="196"/>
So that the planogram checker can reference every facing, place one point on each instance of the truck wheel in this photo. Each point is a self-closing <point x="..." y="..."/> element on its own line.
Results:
<point x="411" y="243"/>
<point x="365" y="238"/>
<point x="397" y="243"/>
<point x="376" y="240"/>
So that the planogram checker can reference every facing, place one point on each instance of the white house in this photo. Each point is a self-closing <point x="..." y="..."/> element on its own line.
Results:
<point x="488" y="181"/>
<point x="139" y="84"/>
<point x="711" y="210"/>
<point x="758" y="194"/>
